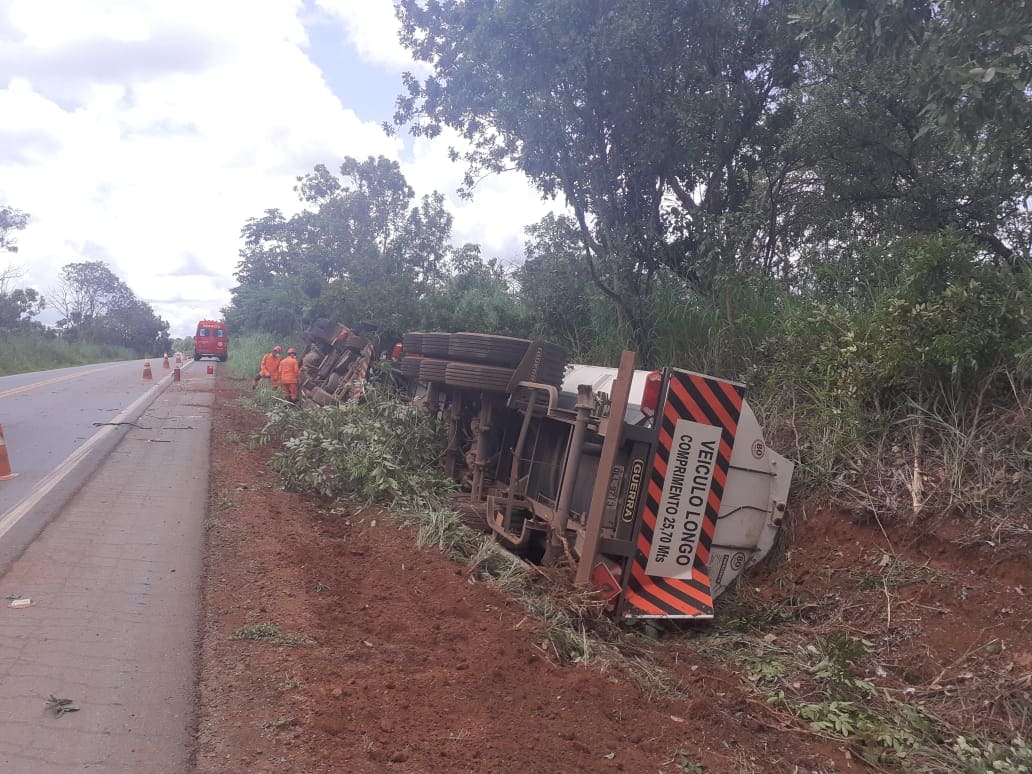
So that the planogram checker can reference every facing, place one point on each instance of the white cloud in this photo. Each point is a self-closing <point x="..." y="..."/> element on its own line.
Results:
<point x="157" y="164"/>
<point x="372" y="29"/>
<point x="501" y="206"/>
<point x="144" y="133"/>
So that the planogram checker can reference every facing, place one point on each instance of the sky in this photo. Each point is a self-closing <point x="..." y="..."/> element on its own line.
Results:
<point x="144" y="133"/>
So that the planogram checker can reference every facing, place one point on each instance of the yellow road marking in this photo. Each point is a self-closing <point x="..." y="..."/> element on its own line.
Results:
<point x="45" y="382"/>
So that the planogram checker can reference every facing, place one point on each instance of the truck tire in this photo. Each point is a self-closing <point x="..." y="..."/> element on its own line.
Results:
<point x="471" y="376"/>
<point x="436" y="345"/>
<point x="410" y="365"/>
<point x="504" y="351"/>
<point x="507" y="352"/>
<point x="356" y="343"/>
<point x="321" y="397"/>
<point x="412" y="343"/>
<point x="432" y="370"/>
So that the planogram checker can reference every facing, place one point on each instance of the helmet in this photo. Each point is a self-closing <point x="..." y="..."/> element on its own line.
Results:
<point x="291" y="351"/>
<point x="277" y="349"/>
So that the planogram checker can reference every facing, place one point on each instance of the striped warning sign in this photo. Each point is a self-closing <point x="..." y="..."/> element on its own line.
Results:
<point x="668" y="573"/>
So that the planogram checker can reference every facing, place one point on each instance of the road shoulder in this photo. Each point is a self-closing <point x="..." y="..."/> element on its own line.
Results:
<point x="115" y="588"/>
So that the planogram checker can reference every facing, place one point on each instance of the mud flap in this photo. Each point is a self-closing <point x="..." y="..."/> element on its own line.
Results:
<point x="668" y="575"/>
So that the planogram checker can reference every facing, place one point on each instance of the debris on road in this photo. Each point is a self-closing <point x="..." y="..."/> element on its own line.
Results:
<point x="60" y="706"/>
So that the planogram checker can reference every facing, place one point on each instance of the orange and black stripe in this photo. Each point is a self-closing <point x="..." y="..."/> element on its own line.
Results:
<point x="707" y="401"/>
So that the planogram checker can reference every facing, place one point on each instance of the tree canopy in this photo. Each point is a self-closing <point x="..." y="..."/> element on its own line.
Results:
<point x="716" y="139"/>
<point x="362" y="248"/>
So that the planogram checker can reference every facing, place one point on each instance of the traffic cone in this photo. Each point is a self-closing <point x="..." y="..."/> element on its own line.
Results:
<point x="5" y="463"/>
<point x="147" y="376"/>
<point x="179" y="358"/>
<point x="176" y="374"/>
<point x="164" y="363"/>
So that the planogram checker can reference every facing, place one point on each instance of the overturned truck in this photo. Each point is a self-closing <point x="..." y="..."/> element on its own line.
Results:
<point x="336" y="362"/>
<point x="656" y="486"/>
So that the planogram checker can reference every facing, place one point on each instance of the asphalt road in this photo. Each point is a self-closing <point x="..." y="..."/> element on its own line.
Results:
<point x="104" y="540"/>
<point x="54" y="427"/>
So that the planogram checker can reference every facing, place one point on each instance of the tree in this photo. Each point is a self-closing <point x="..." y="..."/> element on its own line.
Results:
<point x="86" y="291"/>
<point x="99" y="308"/>
<point x="134" y="325"/>
<point x="476" y="295"/>
<point x="648" y="116"/>
<point x="917" y="120"/>
<point x="554" y="287"/>
<point x="17" y="305"/>
<point x="362" y="249"/>
<point x="11" y="220"/>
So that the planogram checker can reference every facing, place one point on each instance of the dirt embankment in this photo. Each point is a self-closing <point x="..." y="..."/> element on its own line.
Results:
<point x="332" y="644"/>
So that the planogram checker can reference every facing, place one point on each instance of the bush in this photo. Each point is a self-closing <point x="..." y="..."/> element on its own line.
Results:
<point x="915" y="395"/>
<point x="378" y="449"/>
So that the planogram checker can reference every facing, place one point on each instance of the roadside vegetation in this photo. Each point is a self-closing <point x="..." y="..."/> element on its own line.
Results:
<point x="245" y="353"/>
<point x="35" y="351"/>
<point x="383" y="451"/>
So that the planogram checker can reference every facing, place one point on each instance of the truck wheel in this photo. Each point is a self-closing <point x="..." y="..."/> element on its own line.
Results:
<point x="504" y="351"/>
<point x="432" y="370"/>
<point x="321" y="397"/>
<point x="478" y="377"/>
<point x="410" y="365"/>
<point x="356" y="343"/>
<point x="436" y="344"/>
<point x="507" y="352"/>
<point x="412" y="343"/>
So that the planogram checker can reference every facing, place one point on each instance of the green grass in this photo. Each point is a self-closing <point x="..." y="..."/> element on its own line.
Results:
<point x="26" y="352"/>
<point x="246" y="351"/>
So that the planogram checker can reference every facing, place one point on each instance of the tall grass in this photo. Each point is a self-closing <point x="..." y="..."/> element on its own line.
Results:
<point x="719" y="333"/>
<point x="33" y="351"/>
<point x="246" y="350"/>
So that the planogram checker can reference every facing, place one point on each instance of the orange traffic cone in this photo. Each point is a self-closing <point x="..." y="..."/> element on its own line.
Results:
<point x="164" y="363"/>
<point x="179" y="358"/>
<point x="5" y="463"/>
<point x="176" y="374"/>
<point x="147" y="377"/>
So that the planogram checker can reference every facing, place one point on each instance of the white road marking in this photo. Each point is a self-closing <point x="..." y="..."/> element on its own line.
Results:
<point x="18" y="512"/>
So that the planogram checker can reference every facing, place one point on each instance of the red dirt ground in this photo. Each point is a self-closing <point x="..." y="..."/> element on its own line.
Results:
<point x="413" y="667"/>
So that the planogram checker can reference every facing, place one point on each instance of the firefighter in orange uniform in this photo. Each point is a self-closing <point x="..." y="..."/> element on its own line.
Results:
<point x="274" y="364"/>
<point x="289" y="373"/>
<point x="269" y="368"/>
